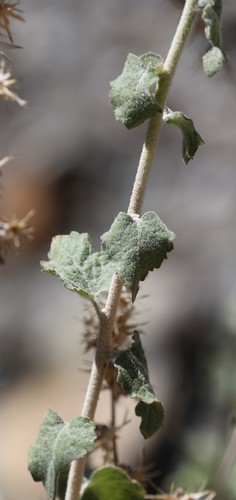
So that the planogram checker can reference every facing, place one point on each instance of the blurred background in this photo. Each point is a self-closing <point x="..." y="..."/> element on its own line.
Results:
<point x="75" y="166"/>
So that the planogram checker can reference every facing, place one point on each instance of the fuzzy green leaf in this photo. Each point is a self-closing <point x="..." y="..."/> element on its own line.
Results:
<point x="81" y="270"/>
<point x="112" y="483"/>
<point x="152" y="416"/>
<point x="133" y="372"/>
<point x="211" y="21"/>
<point x="134" y="379"/>
<point x="136" y="245"/>
<point x="191" y="138"/>
<point x="133" y="93"/>
<point x="212" y="61"/>
<point x="58" y="443"/>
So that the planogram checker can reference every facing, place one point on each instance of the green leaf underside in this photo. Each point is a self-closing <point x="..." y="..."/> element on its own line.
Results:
<point x="132" y="94"/>
<point x="62" y="483"/>
<point x="137" y="245"/>
<point x="58" y="443"/>
<point x="152" y="416"/>
<point x="191" y="138"/>
<point x="214" y="59"/>
<point x="133" y="372"/>
<point x="112" y="483"/>
<point x="134" y="379"/>
<point x="72" y="260"/>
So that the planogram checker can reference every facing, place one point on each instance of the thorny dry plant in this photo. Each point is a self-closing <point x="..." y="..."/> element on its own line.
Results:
<point x="180" y="494"/>
<point x="105" y="440"/>
<point x="11" y="232"/>
<point x="6" y="82"/>
<point x="123" y="328"/>
<point x="11" y="229"/>
<point x="9" y="10"/>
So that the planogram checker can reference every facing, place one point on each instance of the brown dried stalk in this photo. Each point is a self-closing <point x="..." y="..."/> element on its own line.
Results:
<point x="6" y="82"/>
<point x="9" y="10"/>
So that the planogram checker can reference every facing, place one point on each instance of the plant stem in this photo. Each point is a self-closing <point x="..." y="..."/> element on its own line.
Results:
<point x="96" y="378"/>
<point x="135" y="205"/>
<point x="113" y="426"/>
<point x="156" y="123"/>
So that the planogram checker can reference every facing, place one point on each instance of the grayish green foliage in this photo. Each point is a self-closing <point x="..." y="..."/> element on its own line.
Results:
<point x="214" y="59"/>
<point x="132" y="247"/>
<point x="58" y="443"/>
<point x="134" y="378"/>
<point x="191" y="138"/>
<point x="212" y="25"/>
<point x="137" y="245"/>
<point x="72" y="260"/>
<point x="112" y="483"/>
<point x="132" y="94"/>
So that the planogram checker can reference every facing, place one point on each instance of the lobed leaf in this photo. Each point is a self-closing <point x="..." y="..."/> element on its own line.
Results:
<point x="134" y="378"/>
<point x="112" y="483"/>
<point x="133" y="93"/>
<point x="136" y="245"/>
<point x="191" y="138"/>
<point x="58" y="443"/>
<point x="72" y="260"/>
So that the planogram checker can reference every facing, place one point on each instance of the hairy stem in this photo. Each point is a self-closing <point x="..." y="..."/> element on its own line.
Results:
<point x="155" y="124"/>
<point x="96" y="378"/>
<point x="113" y="426"/>
<point x="135" y="205"/>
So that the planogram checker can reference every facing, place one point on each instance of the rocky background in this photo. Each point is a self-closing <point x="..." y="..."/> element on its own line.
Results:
<point x="75" y="165"/>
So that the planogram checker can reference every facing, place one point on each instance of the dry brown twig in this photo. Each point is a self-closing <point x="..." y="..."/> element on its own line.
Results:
<point x="6" y="82"/>
<point x="179" y="494"/>
<point x="9" y="10"/>
<point x="11" y="232"/>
